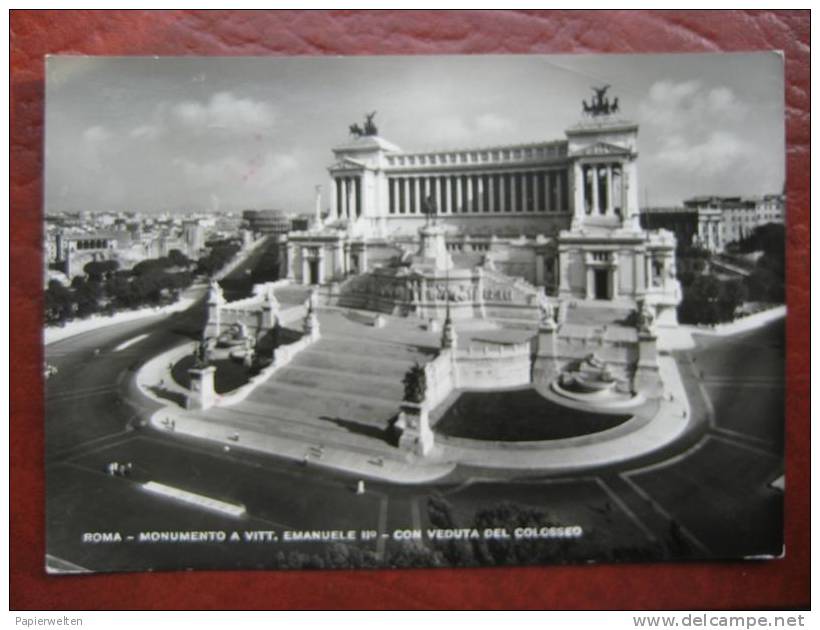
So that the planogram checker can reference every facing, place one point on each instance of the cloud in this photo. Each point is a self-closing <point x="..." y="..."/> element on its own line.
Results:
<point x="224" y="111"/>
<point x="144" y="131"/>
<point x="468" y="130"/>
<point x="696" y="132"/>
<point x="259" y="172"/>
<point x="96" y="135"/>
<point x="689" y="105"/>
<point x="717" y="154"/>
<point x="493" y="123"/>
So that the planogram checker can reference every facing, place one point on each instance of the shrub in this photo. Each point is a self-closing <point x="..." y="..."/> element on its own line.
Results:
<point x="415" y="384"/>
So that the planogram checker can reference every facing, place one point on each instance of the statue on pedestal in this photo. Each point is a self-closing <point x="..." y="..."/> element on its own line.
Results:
<point x="215" y="293"/>
<point x="600" y="105"/>
<point x="645" y="318"/>
<point x="546" y="310"/>
<point x="202" y="354"/>
<point x="368" y="129"/>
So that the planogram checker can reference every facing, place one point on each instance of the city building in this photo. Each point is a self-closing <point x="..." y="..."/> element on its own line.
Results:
<point x="74" y="250"/>
<point x="266" y="222"/>
<point x="561" y="215"/>
<point x="692" y="226"/>
<point x="194" y="235"/>
<point x="741" y="215"/>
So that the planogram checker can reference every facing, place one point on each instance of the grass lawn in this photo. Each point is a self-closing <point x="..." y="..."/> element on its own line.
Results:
<point x="521" y="415"/>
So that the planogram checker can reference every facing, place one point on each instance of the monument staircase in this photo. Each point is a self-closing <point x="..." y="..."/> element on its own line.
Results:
<point x="345" y="388"/>
<point x="516" y="304"/>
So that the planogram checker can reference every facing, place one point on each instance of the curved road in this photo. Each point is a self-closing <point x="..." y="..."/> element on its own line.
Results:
<point x="713" y="500"/>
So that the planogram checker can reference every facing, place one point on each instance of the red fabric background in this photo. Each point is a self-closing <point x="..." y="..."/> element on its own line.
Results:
<point x="714" y="585"/>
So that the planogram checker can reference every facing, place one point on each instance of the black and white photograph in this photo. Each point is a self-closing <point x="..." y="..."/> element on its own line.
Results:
<point x="413" y="311"/>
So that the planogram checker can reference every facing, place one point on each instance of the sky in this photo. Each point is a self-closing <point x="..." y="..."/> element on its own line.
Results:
<point x="226" y="134"/>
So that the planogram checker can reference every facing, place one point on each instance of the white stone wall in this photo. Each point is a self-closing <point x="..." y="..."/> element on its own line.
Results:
<point x="490" y="367"/>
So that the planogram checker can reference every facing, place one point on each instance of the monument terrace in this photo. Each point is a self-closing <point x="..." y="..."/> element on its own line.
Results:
<point x="518" y="271"/>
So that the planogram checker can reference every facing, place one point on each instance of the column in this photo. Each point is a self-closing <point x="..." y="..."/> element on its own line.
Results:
<point x="559" y="192"/>
<point x="363" y="260"/>
<point x="514" y="201"/>
<point x="470" y="194"/>
<point x="548" y="199"/>
<point x="347" y="188"/>
<point x="648" y="270"/>
<point x="459" y="194"/>
<point x="417" y="196"/>
<point x="405" y="187"/>
<point x="305" y="268"/>
<point x="624" y="186"/>
<point x="610" y="210"/>
<point x="502" y="194"/>
<point x="320" y="266"/>
<point x="482" y="206"/>
<point x="491" y="193"/>
<point x="539" y="269"/>
<point x="596" y="207"/>
<point x="448" y="194"/>
<point x="334" y="198"/>
<point x="291" y="249"/>
<point x="357" y="195"/>
<point x="578" y="193"/>
<point x="537" y="202"/>
<point x="338" y="260"/>
<point x="525" y="189"/>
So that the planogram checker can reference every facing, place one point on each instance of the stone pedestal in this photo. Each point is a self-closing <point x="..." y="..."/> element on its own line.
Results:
<point x="647" y="378"/>
<point x="414" y="423"/>
<point x="202" y="394"/>
<point x="545" y="369"/>
<point x="270" y="307"/>
<point x="310" y="325"/>
<point x="433" y="247"/>
<point x="215" y="302"/>
<point x="268" y="317"/>
<point x="448" y="333"/>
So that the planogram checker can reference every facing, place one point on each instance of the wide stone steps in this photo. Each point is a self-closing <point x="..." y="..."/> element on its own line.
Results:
<point x="351" y="345"/>
<point x="262" y="414"/>
<point x="373" y="364"/>
<point x="346" y="383"/>
<point x="313" y="402"/>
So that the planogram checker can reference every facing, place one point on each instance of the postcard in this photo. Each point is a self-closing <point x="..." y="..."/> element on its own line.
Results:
<point x="429" y="311"/>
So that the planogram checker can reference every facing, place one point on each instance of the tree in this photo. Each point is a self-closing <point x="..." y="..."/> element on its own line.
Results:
<point x="733" y="294"/>
<point x="415" y="384"/>
<point x="86" y="295"/>
<point x="58" y="302"/>
<point x="150" y="265"/>
<point x="709" y="300"/>
<point x="178" y="259"/>
<point x="413" y="554"/>
<point x="457" y="553"/>
<point x="510" y="516"/>
<point x="99" y="269"/>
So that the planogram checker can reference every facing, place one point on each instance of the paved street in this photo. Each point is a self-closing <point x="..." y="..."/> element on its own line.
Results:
<point x="707" y="496"/>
